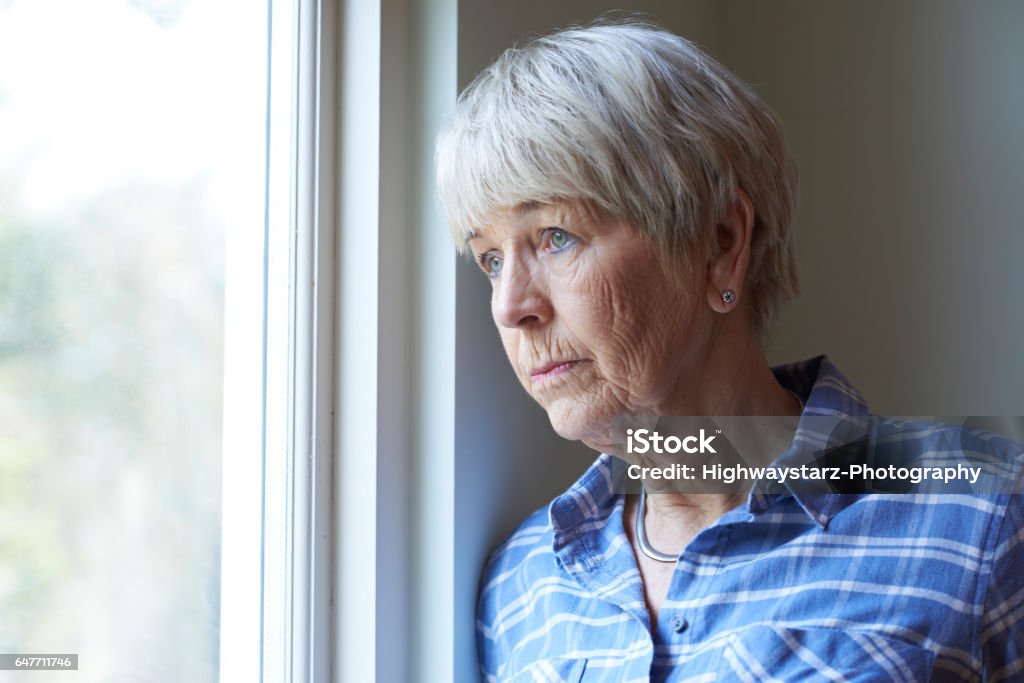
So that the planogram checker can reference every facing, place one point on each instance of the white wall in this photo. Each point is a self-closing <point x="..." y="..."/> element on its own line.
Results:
<point x="904" y="118"/>
<point x="905" y="121"/>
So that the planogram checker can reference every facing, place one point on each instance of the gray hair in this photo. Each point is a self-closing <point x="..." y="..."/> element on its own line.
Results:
<point x="636" y="121"/>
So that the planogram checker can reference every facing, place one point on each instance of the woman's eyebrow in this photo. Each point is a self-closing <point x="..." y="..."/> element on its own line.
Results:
<point x="527" y="207"/>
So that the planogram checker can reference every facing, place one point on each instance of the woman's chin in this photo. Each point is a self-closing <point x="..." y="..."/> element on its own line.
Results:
<point x="581" y="425"/>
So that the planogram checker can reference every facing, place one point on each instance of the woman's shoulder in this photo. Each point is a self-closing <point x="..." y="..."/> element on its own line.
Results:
<point x="533" y="538"/>
<point x="531" y="548"/>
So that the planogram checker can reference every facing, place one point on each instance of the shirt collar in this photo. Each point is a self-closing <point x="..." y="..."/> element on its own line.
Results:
<point x="822" y="387"/>
<point x="825" y="392"/>
<point x="589" y="499"/>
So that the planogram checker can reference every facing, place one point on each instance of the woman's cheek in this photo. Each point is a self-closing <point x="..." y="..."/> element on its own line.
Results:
<point x="510" y="342"/>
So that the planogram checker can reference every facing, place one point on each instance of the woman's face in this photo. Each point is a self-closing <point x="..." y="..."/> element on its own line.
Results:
<point x="591" y="324"/>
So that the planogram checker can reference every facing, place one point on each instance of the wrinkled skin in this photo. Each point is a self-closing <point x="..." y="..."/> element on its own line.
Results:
<point x="570" y="284"/>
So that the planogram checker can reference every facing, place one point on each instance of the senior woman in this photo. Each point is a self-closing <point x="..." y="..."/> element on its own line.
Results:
<point x="631" y="203"/>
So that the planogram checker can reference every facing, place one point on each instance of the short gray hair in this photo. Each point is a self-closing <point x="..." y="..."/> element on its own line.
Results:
<point x="636" y="121"/>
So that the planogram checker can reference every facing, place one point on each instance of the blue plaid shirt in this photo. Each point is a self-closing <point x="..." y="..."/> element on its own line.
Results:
<point x="790" y="586"/>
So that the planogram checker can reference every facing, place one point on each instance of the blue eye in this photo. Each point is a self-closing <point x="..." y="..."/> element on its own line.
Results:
<point x="559" y="239"/>
<point x="490" y="263"/>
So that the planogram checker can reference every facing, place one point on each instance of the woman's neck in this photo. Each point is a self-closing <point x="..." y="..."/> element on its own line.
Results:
<point x="733" y="379"/>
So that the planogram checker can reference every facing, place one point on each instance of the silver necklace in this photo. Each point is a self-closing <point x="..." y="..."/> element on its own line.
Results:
<point x="799" y="401"/>
<point x="641" y="534"/>
<point x="641" y="530"/>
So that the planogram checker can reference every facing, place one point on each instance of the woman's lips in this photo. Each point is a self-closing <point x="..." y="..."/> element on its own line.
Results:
<point x="551" y="370"/>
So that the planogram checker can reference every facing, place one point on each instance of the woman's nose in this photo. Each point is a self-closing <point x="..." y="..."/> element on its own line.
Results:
<point x="520" y="297"/>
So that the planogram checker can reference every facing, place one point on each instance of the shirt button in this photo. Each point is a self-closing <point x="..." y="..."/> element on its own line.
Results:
<point x="677" y="623"/>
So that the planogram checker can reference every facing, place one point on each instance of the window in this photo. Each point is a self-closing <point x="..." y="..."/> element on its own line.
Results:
<point x="132" y="157"/>
<point x="227" y="342"/>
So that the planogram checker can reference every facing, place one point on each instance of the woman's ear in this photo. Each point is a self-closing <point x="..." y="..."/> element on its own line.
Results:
<point x="730" y="253"/>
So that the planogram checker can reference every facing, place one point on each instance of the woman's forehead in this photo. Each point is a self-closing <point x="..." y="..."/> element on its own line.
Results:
<point x="558" y="210"/>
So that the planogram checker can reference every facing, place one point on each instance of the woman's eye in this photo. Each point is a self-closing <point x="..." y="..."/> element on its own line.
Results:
<point x="559" y="239"/>
<point x="491" y="263"/>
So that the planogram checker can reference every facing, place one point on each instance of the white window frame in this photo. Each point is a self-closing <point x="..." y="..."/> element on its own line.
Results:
<point x="367" y="487"/>
<point x="276" y="584"/>
<point x="297" y="615"/>
<point x="394" y="473"/>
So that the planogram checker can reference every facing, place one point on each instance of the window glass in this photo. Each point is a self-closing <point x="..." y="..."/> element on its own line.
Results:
<point x="131" y="156"/>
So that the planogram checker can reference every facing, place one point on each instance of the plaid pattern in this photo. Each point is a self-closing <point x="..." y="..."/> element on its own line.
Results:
<point x="790" y="586"/>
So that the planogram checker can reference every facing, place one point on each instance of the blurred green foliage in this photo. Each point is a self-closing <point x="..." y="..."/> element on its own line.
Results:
<point x="111" y="344"/>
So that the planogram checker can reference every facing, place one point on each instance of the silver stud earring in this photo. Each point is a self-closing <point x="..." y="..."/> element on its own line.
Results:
<point x="728" y="296"/>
